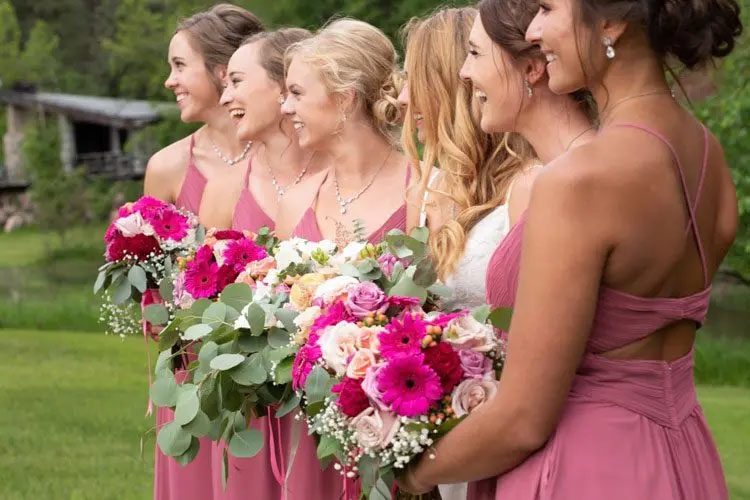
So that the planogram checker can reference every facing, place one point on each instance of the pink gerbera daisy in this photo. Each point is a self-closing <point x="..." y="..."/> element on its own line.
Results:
<point x="204" y="256"/>
<point x="201" y="280"/>
<point x="148" y="206"/>
<point x="409" y="386"/>
<point x="402" y="336"/>
<point x="169" y="224"/>
<point x="240" y="253"/>
<point x="331" y="316"/>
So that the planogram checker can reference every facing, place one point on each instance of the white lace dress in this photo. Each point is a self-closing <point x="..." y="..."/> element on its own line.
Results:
<point x="468" y="282"/>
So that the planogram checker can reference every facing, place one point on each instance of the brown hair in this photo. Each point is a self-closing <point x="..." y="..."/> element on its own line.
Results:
<point x="217" y="32"/>
<point x="476" y="167"/>
<point x="506" y="22"/>
<point x="693" y="32"/>
<point x="274" y="47"/>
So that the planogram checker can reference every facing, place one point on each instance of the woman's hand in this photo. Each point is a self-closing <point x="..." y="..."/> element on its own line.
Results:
<point x="410" y="482"/>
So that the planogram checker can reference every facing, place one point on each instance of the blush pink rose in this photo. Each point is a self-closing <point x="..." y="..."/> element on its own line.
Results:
<point x="471" y="394"/>
<point x="374" y="429"/>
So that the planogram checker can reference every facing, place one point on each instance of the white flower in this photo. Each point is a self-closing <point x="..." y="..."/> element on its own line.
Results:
<point x="337" y="343"/>
<point x="272" y="278"/>
<point x="334" y="287"/>
<point x="352" y="251"/>
<point x="189" y="238"/>
<point x="134" y="224"/>
<point x="306" y="318"/>
<point x="287" y="255"/>
<point x="465" y="332"/>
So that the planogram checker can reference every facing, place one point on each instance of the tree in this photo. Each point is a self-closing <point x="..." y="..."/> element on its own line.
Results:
<point x="39" y="60"/>
<point x="10" y="43"/>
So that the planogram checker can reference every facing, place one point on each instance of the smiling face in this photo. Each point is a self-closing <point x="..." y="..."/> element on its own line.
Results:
<point x="189" y="80"/>
<point x="497" y="83"/>
<point x="251" y="97"/>
<point x="554" y="30"/>
<point x="315" y="112"/>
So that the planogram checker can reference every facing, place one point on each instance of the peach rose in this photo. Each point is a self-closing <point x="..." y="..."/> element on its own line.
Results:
<point x="471" y="394"/>
<point x="260" y="268"/>
<point x="374" y="429"/>
<point x="368" y="338"/>
<point x="303" y="290"/>
<point x="360" y="362"/>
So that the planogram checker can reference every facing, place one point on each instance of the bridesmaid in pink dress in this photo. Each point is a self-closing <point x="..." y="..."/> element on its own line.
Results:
<point x="277" y="168"/>
<point x="202" y="174"/>
<point x="597" y="399"/>
<point x="349" y="116"/>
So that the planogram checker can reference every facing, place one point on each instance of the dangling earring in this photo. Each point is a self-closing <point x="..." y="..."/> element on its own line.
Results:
<point x="529" y="90"/>
<point x="281" y="98"/>
<point x="610" y="49"/>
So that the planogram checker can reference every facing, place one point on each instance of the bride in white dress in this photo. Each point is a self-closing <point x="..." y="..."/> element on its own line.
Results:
<point x="466" y="202"/>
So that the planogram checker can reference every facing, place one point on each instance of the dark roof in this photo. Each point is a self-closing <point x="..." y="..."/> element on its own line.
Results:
<point x="102" y="110"/>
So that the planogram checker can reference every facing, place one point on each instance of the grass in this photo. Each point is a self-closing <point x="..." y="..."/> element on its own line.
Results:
<point x="72" y="418"/>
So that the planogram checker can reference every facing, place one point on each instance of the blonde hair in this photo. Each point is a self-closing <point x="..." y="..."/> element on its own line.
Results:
<point x="217" y="32"/>
<point x="477" y="168"/>
<point x="354" y="55"/>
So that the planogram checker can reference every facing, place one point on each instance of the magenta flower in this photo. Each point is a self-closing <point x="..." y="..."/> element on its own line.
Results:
<point x="409" y="386"/>
<point x="204" y="256"/>
<point x="402" y="336"/>
<point x="169" y="224"/>
<point x="228" y="234"/>
<point x="445" y="318"/>
<point x="139" y="246"/>
<point x="148" y="206"/>
<point x="201" y="279"/>
<point x="240" y="253"/>
<point x="304" y="361"/>
<point x="331" y="316"/>
<point x="405" y="302"/>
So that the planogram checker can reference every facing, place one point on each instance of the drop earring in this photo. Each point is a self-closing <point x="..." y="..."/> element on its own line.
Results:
<point x="610" y="49"/>
<point x="529" y="90"/>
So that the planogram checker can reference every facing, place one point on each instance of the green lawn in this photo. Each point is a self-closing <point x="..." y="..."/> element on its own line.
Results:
<point x="71" y="419"/>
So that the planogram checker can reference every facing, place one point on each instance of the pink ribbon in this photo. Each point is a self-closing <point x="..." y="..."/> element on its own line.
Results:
<point x="277" y="452"/>
<point x="150" y="296"/>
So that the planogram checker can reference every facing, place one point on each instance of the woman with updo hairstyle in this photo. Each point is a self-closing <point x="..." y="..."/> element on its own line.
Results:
<point x="201" y="173"/>
<point x="342" y="87"/>
<point x="609" y="275"/>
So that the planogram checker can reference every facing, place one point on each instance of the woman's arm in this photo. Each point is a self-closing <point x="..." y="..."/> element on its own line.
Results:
<point x="564" y="251"/>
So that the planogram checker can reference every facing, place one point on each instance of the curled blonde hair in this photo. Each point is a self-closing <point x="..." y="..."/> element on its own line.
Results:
<point x="477" y="168"/>
<point x="353" y="55"/>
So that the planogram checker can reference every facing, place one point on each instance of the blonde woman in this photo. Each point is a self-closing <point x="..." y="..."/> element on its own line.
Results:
<point x="343" y="86"/>
<point x="466" y="202"/>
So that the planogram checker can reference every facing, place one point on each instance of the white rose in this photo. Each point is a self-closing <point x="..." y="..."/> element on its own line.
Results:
<point x="133" y="224"/>
<point x="471" y="394"/>
<point x="374" y="429"/>
<point x="219" y="248"/>
<point x="466" y="332"/>
<point x="287" y="255"/>
<point x="306" y="318"/>
<point x="337" y="343"/>
<point x="335" y="287"/>
<point x="352" y="251"/>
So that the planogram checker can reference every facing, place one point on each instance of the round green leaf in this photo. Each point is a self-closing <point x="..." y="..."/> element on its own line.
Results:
<point x="122" y="292"/>
<point x="208" y="351"/>
<point x="278" y="337"/>
<point x="236" y="295"/>
<point x="286" y="316"/>
<point x="225" y="362"/>
<point x="200" y="426"/>
<point x="197" y="332"/>
<point x="100" y="279"/>
<point x="215" y="314"/>
<point x="316" y="385"/>
<point x="187" y="407"/>
<point x="164" y="391"/>
<point x="246" y="443"/>
<point x="248" y="343"/>
<point x="137" y="278"/>
<point x="156" y="314"/>
<point x="173" y="439"/>
<point x="250" y="371"/>
<point x="256" y="316"/>
<point x="283" y="373"/>
<point x="190" y="453"/>
<point x="288" y="405"/>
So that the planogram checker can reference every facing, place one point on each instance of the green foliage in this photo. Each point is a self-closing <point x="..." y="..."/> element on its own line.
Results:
<point x="39" y="62"/>
<point x="10" y="42"/>
<point x="156" y="136"/>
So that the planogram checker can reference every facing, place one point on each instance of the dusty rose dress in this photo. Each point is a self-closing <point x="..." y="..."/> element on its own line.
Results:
<point x="172" y="481"/>
<point x="631" y="429"/>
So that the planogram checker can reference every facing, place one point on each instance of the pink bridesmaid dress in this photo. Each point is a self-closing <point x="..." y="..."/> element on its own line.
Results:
<point x="307" y="479"/>
<point x="171" y="480"/>
<point x="631" y="429"/>
<point x="251" y="477"/>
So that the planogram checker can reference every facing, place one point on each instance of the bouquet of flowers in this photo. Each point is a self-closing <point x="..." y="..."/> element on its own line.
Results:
<point x="383" y="373"/>
<point x="141" y="245"/>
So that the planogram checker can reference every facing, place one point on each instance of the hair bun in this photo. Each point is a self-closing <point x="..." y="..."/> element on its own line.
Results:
<point x="693" y="31"/>
<point x="387" y="109"/>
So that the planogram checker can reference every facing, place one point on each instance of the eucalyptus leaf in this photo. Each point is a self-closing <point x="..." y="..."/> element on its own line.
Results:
<point x="248" y="343"/>
<point x="100" y="280"/>
<point x="288" y="406"/>
<point x="237" y="295"/>
<point x="187" y="407"/>
<point x="500" y="318"/>
<point x="365" y="266"/>
<point x="137" y="278"/>
<point x="316" y="385"/>
<point x="173" y="439"/>
<point x="190" y="453"/>
<point x="381" y="491"/>
<point x="407" y="288"/>
<point x="164" y="364"/>
<point x="283" y="373"/>
<point x="481" y="313"/>
<point x="208" y="351"/>
<point x="215" y="315"/>
<point x="286" y="316"/>
<point x="210" y="398"/>
<point x="425" y="274"/>
<point x="420" y="233"/>
<point x="328" y="446"/>
<point x="348" y="269"/>
<point x="440" y="290"/>
<point x="250" y="371"/>
<point x="156" y="314"/>
<point x="166" y="288"/>
<point x="168" y="336"/>
<point x="225" y="362"/>
<point x="256" y="317"/>
<point x="277" y="355"/>
<point x="278" y="338"/>
<point x="197" y="332"/>
<point x="122" y="292"/>
<point x="164" y="391"/>
<point x="368" y="471"/>
<point x="246" y="443"/>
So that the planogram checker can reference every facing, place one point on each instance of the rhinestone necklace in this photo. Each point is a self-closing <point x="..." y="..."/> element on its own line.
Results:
<point x="227" y="160"/>
<point x="344" y="203"/>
